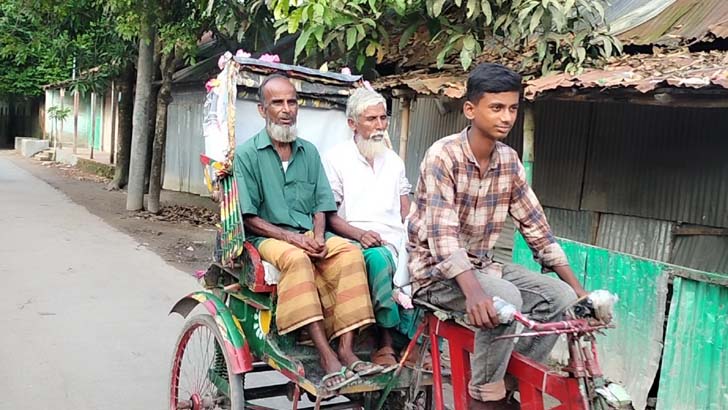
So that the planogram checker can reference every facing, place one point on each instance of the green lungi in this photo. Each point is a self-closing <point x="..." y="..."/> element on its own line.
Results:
<point x="381" y="265"/>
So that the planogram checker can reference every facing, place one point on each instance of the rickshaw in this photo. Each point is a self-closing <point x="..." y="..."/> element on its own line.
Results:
<point x="223" y="359"/>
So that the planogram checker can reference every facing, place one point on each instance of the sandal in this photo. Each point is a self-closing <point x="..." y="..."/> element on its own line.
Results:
<point x="385" y="357"/>
<point x="345" y="373"/>
<point x="368" y="368"/>
<point x="414" y="357"/>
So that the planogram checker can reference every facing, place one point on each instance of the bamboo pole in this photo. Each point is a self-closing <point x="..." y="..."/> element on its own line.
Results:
<point x="75" y="121"/>
<point x="93" y="123"/>
<point x="404" y="127"/>
<point x="529" y="132"/>
<point x="114" y="113"/>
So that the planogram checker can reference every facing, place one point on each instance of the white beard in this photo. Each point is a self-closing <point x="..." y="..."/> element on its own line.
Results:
<point x="374" y="146"/>
<point x="281" y="133"/>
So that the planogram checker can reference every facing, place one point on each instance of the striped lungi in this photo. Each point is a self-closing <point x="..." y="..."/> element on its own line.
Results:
<point x="381" y="265"/>
<point x="333" y="289"/>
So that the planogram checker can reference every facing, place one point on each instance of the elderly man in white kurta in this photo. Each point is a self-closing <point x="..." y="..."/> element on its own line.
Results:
<point x="372" y="194"/>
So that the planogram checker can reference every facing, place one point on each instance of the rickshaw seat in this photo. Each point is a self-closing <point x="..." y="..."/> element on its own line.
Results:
<point x="255" y="271"/>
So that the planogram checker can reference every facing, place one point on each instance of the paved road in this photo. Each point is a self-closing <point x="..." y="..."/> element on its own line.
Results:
<point x="83" y="307"/>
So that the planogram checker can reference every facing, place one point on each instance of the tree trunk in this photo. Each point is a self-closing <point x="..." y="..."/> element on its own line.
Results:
<point x="123" y="138"/>
<point x="164" y="97"/>
<point x="140" y="122"/>
<point x="152" y="113"/>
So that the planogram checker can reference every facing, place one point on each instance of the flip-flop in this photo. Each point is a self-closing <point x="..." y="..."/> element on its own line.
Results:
<point x="386" y="358"/>
<point x="343" y="373"/>
<point x="412" y="360"/>
<point x="370" y="369"/>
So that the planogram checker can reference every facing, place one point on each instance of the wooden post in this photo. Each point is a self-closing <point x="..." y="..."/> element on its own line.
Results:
<point x="404" y="127"/>
<point x="59" y="143"/>
<point x="75" y="121"/>
<point x="113" y="124"/>
<point x="93" y="123"/>
<point x="529" y="131"/>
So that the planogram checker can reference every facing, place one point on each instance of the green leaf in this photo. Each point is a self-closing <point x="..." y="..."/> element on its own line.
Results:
<point x="558" y="17"/>
<point x="499" y="21"/>
<point x="371" y="49"/>
<point x="294" y="20"/>
<point x="318" y="13"/>
<point x="443" y="54"/>
<point x="466" y="58"/>
<point x="408" y="32"/>
<point x="568" y="5"/>
<point x="301" y="42"/>
<point x="469" y="42"/>
<point x="581" y="54"/>
<point x="535" y="20"/>
<point x="437" y="7"/>
<point x="369" y="22"/>
<point x="361" y="34"/>
<point x="350" y="38"/>
<point x="373" y="6"/>
<point x="541" y="48"/>
<point x="607" y="46"/>
<point x="473" y="8"/>
<point x="360" y="60"/>
<point x="487" y="11"/>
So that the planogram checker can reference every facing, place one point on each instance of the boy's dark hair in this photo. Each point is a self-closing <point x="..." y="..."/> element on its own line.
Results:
<point x="261" y="89"/>
<point x="491" y="78"/>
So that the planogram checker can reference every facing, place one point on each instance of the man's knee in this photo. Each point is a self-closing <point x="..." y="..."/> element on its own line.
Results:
<point x="501" y="288"/>
<point x="295" y="260"/>
<point x="563" y="295"/>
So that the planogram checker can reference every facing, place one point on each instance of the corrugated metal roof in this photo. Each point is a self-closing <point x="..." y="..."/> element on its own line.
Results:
<point x="623" y="15"/>
<point x="644" y="73"/>
<point x="648" y="238"/>
<point x="695" y="362"/>
<point x="682" y="21"/>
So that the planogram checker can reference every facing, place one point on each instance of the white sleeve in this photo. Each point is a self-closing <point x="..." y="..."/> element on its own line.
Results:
<point x="334" y="177"/>
<point x="404" y="185"/>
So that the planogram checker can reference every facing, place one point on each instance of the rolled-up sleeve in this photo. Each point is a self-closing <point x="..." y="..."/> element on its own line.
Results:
<point x="530" y="220"/>
<point x="442" y="222"/>
<point x="404" y="185"/>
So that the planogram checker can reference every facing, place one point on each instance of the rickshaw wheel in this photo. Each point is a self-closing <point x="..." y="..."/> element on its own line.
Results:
<point x="201" y="370"/>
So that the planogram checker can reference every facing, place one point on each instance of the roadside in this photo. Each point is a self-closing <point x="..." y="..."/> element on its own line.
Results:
<point x="183" y="234"/>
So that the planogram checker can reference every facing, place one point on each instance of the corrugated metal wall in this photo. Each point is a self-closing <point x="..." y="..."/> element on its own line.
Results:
<point x="658" y="162"/>
<point x="648" y="238"/>
<point x="703" y="252"/>
<point x="575" y="225"/>
<point x="182" y="169"/>
<point x="695" y="364"/>
<point x="560" y="146"/>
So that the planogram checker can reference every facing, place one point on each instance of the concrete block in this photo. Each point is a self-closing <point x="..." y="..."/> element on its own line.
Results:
<point x="66" y="157"/>
<point x="32" y="146"/>
<point x="18" y="142"/>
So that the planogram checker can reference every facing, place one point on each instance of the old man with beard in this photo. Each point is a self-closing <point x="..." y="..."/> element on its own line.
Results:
<point x="372" y="194"/>
<point x="323" y="286"/>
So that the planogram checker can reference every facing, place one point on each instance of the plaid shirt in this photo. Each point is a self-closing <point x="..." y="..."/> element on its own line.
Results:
<point x="459" y="215"/>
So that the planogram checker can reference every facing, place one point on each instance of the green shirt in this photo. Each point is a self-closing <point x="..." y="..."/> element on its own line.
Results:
<point x="286" y="199"/>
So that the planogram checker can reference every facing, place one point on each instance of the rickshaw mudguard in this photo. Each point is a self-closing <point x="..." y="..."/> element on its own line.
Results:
<point x="233" y="337"/>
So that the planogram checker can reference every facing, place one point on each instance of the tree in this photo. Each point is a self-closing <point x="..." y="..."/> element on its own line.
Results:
<point x="553" y="34"/>
<point x="40" y="39"/>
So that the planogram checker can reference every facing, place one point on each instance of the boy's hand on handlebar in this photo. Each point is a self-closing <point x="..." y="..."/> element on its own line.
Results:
<point x="478" y="305"/>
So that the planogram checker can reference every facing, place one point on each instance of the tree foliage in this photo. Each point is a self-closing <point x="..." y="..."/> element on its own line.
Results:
<point x="563" y="34"/>
<point x="39" y="40"/>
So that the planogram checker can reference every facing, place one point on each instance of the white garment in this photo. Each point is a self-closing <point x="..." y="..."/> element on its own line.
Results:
<point x="368" y="196"/>
<point x="285" y="166"/>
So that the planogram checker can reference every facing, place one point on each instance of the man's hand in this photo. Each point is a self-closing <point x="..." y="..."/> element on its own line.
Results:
<point x="478" y="305"/>
<point x="308" y="244"/>
<point x="370" y="239"/>
<point x="321" y="246"/>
